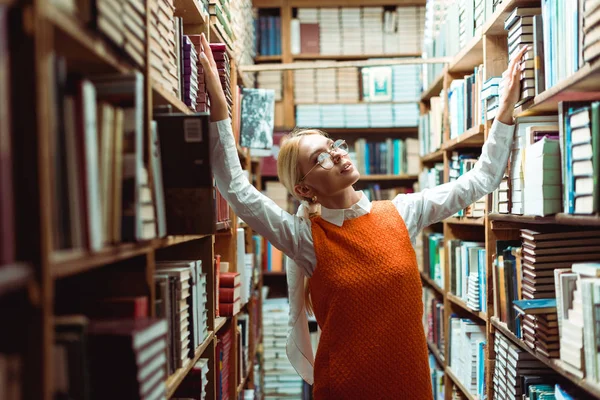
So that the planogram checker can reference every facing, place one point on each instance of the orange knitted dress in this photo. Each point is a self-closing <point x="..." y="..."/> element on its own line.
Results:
<point x="366" y="293"/>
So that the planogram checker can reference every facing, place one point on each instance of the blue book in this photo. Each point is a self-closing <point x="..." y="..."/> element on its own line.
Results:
<point x="535" y="306"/>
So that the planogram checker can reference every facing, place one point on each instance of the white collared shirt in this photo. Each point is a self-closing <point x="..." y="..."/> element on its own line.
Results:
<point x="292" y="234"/>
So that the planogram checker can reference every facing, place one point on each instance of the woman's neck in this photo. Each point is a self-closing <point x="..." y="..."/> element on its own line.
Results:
<point x="344" y="199"/>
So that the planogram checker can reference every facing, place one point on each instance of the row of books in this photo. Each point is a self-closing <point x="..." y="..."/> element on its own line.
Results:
<point x="433" y="319"/>
<point x="468" y="277"/>
<point x="271" y="80"/>
<point x="431" y="177"/>
<point x="268" y="35"/>
<point x="357" y="30"/>
<point x="437" y="378"/>
<point x="434" y="257"/>
<point x="467" y="341"/>
<point x="464" y="104"/>
<point x="431" y="126"/>
<point x="223" y="361"/>
<point x="222" y="19"/>
<point x="244" y="46"/>
<point x="460" y="164"/>
<point x="362" y="115"/>
<point x="392" y="157"/>
<point x="280" y="377"/>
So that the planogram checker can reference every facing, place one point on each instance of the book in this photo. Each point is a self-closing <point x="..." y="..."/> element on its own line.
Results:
<point x="229" y="280"/>
<point x="257" y="120"/>
<point x="538" y="306"/>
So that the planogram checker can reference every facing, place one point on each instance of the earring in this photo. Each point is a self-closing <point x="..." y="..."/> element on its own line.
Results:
<point x="314" y="199"/>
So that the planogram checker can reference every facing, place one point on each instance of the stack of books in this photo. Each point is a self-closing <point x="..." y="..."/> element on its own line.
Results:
<point x="244" y="47"/>
<point x="330" y="30"/>
<point x="134" y="18"/>
<point x="308" y="116"/>
<point x="406" y="84"/>
<point x="190" y="73"/>
<point x="490" y="94"/>
<point x="467" y="272"/>
<point x="352" y="42"/>
<point x="542" y="182"/>
<point x="517" y="158"/>
<point x="202" y="100"/>
<point x="220" y="17"/>
<point x="140" y="347"/>
<point x="229" y="294"/>
<point x="479" y="14"/>
<point x="409" y="30"/>
<point x="326" y="86"/>
<point x="581" y="166"/>
<point x="516" y="370"/>
<point x="473" y="295"/>
<point x="348" y="90"/>
<point x="163" y="45"/>
<point x="539" y="325"/>
<point x="304" y="86"/>
<point x="381" y="115"/>
<point x="195" y="382"/>
<point x="591" y="48"/>
<point x="271" y="80"/>
<point x="460" y="164"/>
<point x="109" y="20"/>
<point x="501" y="202"/>
<point x="222" y="60"/>
<point x="280" y="378"/>
<point x="372" y="23"/>
<point x="224" y="369"/>
<point x="519" y="25"/>
<point x="466" y="22"/>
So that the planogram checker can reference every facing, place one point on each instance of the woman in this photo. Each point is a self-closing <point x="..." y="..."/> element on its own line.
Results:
<point x="364" y="281"/>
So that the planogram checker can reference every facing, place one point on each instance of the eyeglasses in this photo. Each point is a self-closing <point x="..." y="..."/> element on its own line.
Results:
<point x="325" y="159"/>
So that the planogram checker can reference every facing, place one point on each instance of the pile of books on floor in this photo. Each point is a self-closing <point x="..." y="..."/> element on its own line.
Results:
<point x="539" y="325"/>
<point x="229" y="293"/>
<point x="195" y="382"/>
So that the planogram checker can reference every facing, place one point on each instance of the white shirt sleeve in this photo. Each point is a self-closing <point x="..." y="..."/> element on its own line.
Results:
<point x="287" y="232"/>
<point x="429" y="206"/>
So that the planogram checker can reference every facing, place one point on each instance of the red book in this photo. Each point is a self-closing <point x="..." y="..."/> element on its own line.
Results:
<point x="230" y="309"/>
<point x="229" y="279"/>
<point x="120" y="307"/>
<point x="309" y="39"/>
<point x="228" y="295"/>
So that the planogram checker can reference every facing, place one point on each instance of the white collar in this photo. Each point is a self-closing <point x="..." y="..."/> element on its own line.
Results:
<point x="339" y="215"/>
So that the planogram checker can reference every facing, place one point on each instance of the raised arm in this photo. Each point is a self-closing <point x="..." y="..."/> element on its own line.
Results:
<point x="283" y="230"/>
<point x="433" y="205"/>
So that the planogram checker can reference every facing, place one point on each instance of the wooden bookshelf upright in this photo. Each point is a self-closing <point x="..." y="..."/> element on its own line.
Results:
<point x="489" y="47"/>
<point x="44" y="277"/>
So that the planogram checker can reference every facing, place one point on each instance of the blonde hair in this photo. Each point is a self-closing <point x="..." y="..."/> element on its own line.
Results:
<point x="288" y="171"/>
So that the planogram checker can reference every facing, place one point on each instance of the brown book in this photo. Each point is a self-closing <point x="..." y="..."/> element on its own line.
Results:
<point x="558" y="234"/>
<point x="309" y="39"/>
<point x="229" y="295"/>
<point x="558" y="258"/>
<point x="229" y="279"/>
<point x="543" y="244"/>
<point x="560" y="250"/>
<point x="119" y="307"/>
<point x="230" y="309"/>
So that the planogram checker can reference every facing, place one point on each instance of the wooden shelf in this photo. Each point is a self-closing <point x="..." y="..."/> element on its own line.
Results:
<point x="161" y="96"/>
<point x="71" y="262"/>
<point x="219" y="323"/>
<point x="191" y="12"/>
<point x="273" y="58"/>
<point x="459" y="384"/>
<point x="583" y="85"/>
<point x="558" y="219"/>
<point x="177" y="377"/>
<point x="432" y="284"/>
<point x="471" y="138"/>
<point x="14" y="277"/>
<point x="375" y="178"/>
<point x="82" y="44"/>
<point x="436" y="353"/>
<point x="466" y="221"/>
<point x="396" y="132"/>
<point x="436" y="156"/>
<point x="351" y="57"/>
<point x="553" y="363"/>
<point x="469" y="57"/>
<point x="495" y="25"/>
<point x="434" y="89"/>
<point x="173" y="240"/>
<point x="459" y="302"/>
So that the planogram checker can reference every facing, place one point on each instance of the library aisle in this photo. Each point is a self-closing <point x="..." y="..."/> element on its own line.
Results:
<point x="124" y="272"/>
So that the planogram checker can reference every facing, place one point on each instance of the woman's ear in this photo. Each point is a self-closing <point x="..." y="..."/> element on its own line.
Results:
<point x="303" y="191"/>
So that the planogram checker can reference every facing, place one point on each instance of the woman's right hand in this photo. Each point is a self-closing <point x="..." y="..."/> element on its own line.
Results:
<point x="218" y="102"/>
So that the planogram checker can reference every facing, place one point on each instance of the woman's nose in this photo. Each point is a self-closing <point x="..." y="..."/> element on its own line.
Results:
<point x="336" y="155"/>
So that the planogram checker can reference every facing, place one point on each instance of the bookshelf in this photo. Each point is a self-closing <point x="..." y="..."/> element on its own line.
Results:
<point x="489" y="47"/>
<point x="44" y="277"/>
